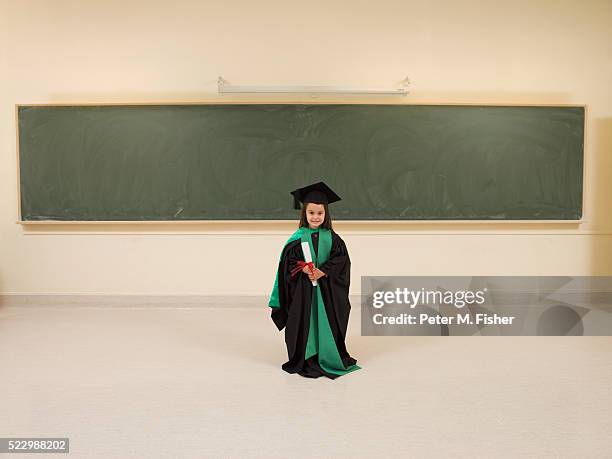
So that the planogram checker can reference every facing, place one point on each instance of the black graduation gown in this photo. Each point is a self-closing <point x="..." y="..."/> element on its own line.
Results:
<point x="295" y="295"/>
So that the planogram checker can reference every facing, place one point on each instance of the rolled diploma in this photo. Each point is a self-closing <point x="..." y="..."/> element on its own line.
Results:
<point x="308" y="257"/>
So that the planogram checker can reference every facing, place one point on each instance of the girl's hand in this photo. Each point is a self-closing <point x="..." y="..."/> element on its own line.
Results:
<point x="317" y="274"/>
<point x="306" y="270"/>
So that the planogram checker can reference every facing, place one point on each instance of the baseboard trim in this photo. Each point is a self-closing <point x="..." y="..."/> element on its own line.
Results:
<point x="131" y="301"/>
<point x="139" y="301"/>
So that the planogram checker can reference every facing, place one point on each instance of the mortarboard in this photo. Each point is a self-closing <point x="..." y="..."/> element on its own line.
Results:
<point x="318" y="193"/>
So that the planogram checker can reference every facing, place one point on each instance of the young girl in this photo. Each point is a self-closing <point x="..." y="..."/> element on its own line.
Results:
<point x="315" y="316"/>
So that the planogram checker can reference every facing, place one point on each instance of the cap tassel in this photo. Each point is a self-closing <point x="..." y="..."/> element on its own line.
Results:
<point x="296" y="203"/>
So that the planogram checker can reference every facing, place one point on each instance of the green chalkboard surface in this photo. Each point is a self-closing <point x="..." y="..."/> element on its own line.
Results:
<point x="239" y="162"/>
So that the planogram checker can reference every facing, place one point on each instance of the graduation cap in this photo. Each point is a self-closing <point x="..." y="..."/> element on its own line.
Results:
<point x="318" y="193"/>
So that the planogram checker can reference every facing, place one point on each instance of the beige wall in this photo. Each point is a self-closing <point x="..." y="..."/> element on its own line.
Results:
<point x="453" y="51"/>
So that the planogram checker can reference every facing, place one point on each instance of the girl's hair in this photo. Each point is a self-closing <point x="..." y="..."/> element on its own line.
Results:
<point x="327" y="221"/>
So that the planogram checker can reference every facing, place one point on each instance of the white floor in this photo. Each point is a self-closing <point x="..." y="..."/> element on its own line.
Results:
<point x="206" y="382"/>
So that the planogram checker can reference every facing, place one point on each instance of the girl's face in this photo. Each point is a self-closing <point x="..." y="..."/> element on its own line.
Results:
<point x="315" y="214"/>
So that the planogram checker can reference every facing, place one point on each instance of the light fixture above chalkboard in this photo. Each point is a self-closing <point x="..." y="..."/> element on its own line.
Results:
<point x="225" y="88"/>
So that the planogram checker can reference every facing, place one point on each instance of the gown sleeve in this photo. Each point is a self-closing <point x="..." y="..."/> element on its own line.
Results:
<point x="338" y="265"/>
<point x="287" y="285"/>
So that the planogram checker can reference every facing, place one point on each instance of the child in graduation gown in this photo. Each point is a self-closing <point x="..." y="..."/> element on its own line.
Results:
<point x="315" y="318"/>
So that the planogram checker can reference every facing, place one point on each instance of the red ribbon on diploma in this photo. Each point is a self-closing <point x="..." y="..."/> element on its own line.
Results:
<point x="300" y="265"/>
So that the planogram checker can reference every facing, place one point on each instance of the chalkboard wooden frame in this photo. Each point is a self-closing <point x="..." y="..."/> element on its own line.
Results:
<point x="284" y="221"/>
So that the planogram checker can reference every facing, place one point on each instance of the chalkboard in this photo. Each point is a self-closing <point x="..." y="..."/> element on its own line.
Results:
<point x="240" y="161"/>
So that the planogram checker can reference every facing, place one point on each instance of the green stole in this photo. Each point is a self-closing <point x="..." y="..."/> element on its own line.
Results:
<point x="320" y="338"/>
